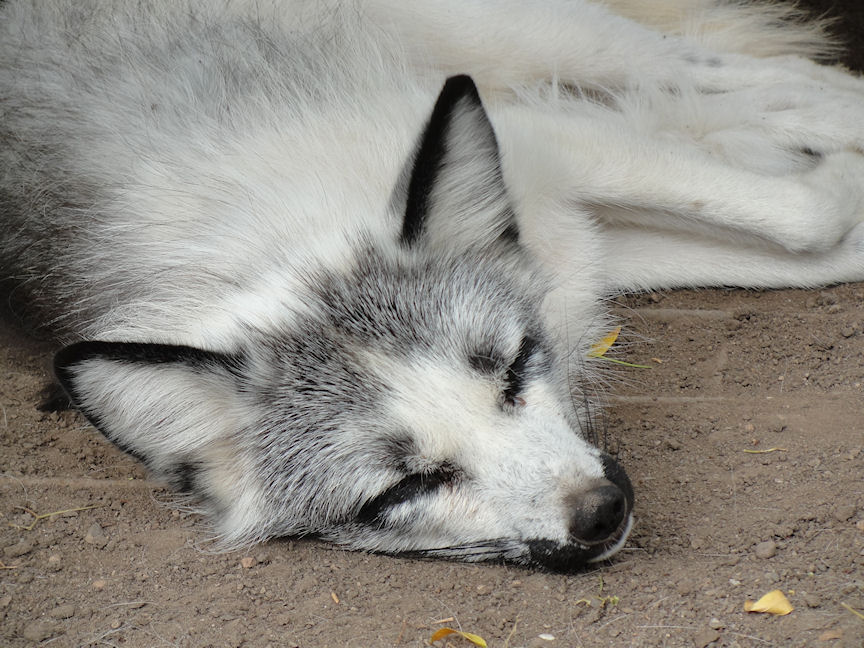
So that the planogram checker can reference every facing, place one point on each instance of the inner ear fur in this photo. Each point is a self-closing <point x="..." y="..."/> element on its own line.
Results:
<point x="175" y="408"/>
<point x="456" y="197"/>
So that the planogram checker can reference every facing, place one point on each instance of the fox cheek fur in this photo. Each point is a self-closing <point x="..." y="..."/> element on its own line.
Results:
<point x="415" y="403"/>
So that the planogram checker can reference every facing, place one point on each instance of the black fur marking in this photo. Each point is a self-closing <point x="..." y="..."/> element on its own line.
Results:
<point x="431" y="152"/>
<point x="615" y="474"/>
<point x="136" y="352"/>
<point x="810" y="153"/>
<point x="185" y="475"/>
<point x="511" y="232"/>
<point x="486" y="362"/>
<point x="407" y="489"/>
<point x="561" y="558"/>
<point x="515" y="379"/>
<point x="399" y="450"/>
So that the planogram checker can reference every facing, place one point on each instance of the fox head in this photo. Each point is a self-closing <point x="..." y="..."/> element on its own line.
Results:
<point x="419" y="405"/>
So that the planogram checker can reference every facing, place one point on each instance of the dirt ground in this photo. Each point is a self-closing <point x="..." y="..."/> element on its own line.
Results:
<point x="744" y="440"/>
<point x="732" y="372"/>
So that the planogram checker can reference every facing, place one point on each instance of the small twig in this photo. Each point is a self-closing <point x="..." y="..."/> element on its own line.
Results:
<point x="141" y="603"/>
<point x="613" y="620"/>
<point x="42" y="516"/>
<point x="746" y="636"/>
<point x="666" y="627"/>
<point x="766" y="451"/>
<point x="512" y="632"/>
<point x="401" y="632"/>
<point x="853" y="611"/>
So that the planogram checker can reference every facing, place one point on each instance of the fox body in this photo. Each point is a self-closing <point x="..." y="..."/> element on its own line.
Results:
<point x="335" y="269"/>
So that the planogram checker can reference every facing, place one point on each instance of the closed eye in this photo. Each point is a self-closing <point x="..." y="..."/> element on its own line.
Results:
<point x="407" y="489"/>
<point x="514" y="381"/>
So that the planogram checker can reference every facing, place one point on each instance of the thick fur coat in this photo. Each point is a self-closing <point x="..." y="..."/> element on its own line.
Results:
<point x="335" y="268"/>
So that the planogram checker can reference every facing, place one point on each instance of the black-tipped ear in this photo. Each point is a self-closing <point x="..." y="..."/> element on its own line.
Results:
<point x="456" y="193"/>
<point x="173" y="407"/>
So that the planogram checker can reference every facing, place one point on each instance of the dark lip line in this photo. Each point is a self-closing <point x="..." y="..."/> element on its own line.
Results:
<point x="619" y="532"/>
<point x="495" y="552"/>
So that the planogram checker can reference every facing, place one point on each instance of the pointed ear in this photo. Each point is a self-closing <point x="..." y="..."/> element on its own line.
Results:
<point x="174" y="408"/>
<point x="456" y="194"/>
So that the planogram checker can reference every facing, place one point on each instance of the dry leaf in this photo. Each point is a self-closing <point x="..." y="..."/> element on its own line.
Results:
<point x="598" y="349"/>
<point x="774" y="602"/>
<point x="446" y="632"/>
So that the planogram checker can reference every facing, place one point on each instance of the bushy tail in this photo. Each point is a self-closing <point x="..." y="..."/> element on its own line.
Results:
<point x="754" y="28"/>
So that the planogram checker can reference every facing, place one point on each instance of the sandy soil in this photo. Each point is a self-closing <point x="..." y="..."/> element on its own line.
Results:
<point x="732" y="372"/>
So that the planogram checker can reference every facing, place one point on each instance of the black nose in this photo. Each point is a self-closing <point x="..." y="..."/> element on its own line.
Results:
<point x="598" y="513"/>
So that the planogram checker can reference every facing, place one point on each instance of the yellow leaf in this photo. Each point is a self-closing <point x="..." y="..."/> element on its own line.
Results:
<point x="445" y="632"/>
<point x="774" y="602"/>
<point x="599" y="349"/>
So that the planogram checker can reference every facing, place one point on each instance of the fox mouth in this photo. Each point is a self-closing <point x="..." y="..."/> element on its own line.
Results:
<point x="556" y="557"/>
<point x="542" y="554"/>
<point x="615" y="542"/>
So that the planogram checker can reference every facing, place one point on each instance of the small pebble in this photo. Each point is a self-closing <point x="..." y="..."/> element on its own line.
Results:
<point x="63" y="612"/>
<point x="811" y="600"/>
<point x="38" y="631"/>
<point x="716" y="624"/>
<point x="705" y="637"/>
<point x="55" y="562"/>
<point x="96" y="536"/>
<point x="248" y="562"/>
<point x="20" y="548"/>
<point x="99" y="585"/>
<point x="685" y="588"/>
<point x="765" y="550"/>
<point x="844" y="512"/>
